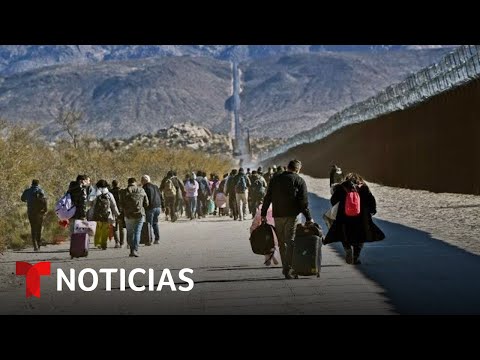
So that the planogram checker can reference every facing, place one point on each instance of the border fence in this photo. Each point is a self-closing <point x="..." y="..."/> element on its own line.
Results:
<point x="456" y="68"/>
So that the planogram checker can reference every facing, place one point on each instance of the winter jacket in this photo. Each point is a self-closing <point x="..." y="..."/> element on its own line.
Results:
<point x="78" y="194"/>
<point x="354" y="229"/>
<point x="288" y="194"/>
<point x="153" y="195"/>
<point x="27" y="197"/>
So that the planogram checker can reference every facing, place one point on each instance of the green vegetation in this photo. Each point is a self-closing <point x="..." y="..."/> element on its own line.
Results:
<point x="24" y="156"/>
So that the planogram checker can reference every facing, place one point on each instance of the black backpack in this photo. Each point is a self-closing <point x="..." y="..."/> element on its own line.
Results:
<point x="133" y="204"/>
<point x="101" y="211"/>
<point x="258" y="189"/>
<point x="261" y="239"/>
<point x="241" y="185"/>
<point x="203" y="187"/>
<point x="39" y="203"/>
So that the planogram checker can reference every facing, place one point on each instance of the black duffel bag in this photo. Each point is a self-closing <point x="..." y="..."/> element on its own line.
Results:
<point x="262" y="239"/>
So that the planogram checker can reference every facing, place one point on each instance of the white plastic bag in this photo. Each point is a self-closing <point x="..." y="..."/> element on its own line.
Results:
<point x="331" y="215"/>
<point x="85" y="227"/>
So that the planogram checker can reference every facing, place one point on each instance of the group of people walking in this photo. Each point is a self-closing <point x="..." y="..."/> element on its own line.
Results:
<point x="281" y="192"/>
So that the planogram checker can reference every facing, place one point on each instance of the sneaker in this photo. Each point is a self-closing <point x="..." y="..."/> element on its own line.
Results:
<point x="156" y="242"/>
<point x="131" y="254"/>
<point x="349" y="256"/>
<point x="135" y="253"/>
<point x="117" y="246"/>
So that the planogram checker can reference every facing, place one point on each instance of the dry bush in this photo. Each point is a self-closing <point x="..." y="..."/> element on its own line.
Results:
<point x="24" y="156"/>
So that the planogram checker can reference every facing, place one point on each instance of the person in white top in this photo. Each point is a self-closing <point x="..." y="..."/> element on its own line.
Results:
<point x="191" y="189"/>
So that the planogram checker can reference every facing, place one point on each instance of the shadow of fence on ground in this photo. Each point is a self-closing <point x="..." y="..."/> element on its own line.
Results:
<point x="420" y="274"/>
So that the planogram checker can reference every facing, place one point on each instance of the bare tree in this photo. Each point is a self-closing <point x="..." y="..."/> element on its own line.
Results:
<point x="69" y="121"/>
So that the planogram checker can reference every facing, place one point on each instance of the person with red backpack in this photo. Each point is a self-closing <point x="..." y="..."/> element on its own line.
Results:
<point x="353" y="225"/>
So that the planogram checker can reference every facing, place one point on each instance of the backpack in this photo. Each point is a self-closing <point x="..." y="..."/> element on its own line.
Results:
<point x="39" y="203"/>
<point x="258" y="188"/>
<point x="133" y="204"/>
<point x="262" y="239"/>
<point x="64" y="207"/>
<point x="352" y="202"/>
<point x="203" y="187"/>
<point x="101" y="210"/>
<point x="241" y="186"/>
<point x="170" y="190"/>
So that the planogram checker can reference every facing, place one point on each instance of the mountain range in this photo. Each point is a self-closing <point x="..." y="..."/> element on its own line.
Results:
<point x="18" y="58"/>
<point x="123" y="90"/>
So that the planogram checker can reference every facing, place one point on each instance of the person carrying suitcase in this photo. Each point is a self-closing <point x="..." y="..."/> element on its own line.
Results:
<point x="288" y="194"/>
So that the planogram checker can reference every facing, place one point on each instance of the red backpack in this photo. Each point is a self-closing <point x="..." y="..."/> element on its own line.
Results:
<point x="352" y="202"/>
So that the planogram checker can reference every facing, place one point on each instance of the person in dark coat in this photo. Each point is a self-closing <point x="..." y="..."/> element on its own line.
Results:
<point x="336" y="175"/>
<point x="36" y="201"/>
<point x="354" y="231"/>
<point x="79" y="195"/>
<point x="288" y="194"/>
<point x="152" y="212"/>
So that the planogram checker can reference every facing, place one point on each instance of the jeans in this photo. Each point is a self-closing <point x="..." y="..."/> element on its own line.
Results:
<point x="192" y="206"/>
<point x="134" y="231"/>
<point x="152" y="218"/>
<point x="285" y="228"/>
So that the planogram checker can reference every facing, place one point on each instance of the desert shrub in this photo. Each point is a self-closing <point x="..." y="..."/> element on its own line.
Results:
<point x="25" y="156"/>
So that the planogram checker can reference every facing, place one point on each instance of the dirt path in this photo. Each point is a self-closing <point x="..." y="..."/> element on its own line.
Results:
<point x="416" y="270"/>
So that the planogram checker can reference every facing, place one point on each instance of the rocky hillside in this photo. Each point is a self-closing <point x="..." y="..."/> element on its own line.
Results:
<point x="297" y="92"/>
<point x="121" y="99"/>
<point x="281" y="96"/>
<point x="188" y="136"/>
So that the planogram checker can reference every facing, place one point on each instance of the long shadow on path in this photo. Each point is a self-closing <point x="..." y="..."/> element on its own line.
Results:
<point x="420" y="274"/>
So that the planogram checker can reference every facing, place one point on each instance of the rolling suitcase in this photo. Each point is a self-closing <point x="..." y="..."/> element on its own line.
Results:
<point x="79" y="245"/>
<point x="147" y="234"/>
<point x="307" y="250"/>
